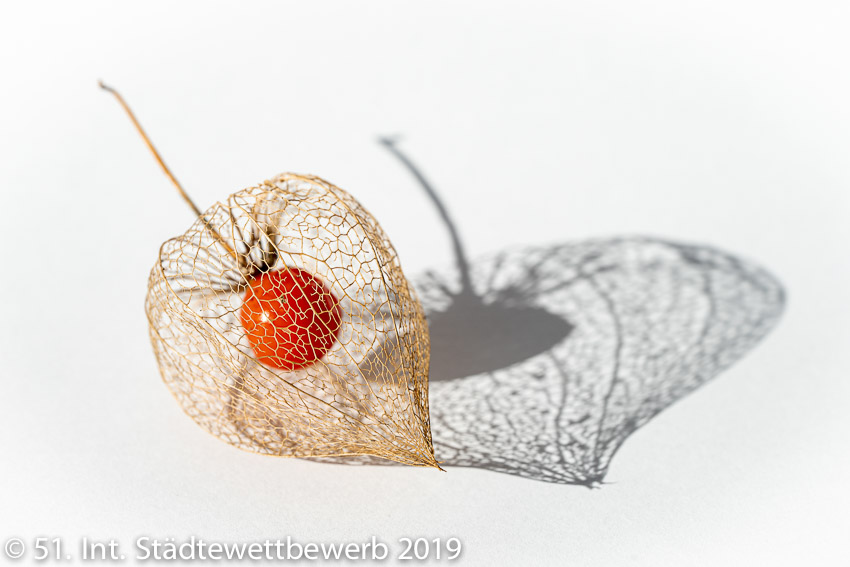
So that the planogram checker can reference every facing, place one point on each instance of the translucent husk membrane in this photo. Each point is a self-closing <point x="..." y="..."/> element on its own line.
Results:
<point x="367" y="396"/>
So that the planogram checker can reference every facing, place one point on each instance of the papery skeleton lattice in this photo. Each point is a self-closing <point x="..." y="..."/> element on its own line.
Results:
<point x="368" y="395"/>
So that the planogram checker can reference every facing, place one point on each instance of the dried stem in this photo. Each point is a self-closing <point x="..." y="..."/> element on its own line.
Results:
<point x="164" y="167"/>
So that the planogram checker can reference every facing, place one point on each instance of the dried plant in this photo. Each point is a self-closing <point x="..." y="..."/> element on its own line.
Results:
<point x="344" y="374"/>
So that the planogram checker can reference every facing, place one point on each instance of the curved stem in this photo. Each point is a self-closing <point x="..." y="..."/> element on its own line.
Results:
<point x="457" y="245"/>
<point x="151" y="147"/>
<point x="164" y="167"/>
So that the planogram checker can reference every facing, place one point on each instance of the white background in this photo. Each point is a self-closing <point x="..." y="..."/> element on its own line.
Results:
<point x="722" y="122"/>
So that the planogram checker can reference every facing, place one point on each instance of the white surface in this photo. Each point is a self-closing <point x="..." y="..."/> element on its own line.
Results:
<point x="723" y="123"/>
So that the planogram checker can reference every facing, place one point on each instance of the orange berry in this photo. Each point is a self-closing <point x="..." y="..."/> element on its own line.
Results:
<point x="290" y="317"/>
